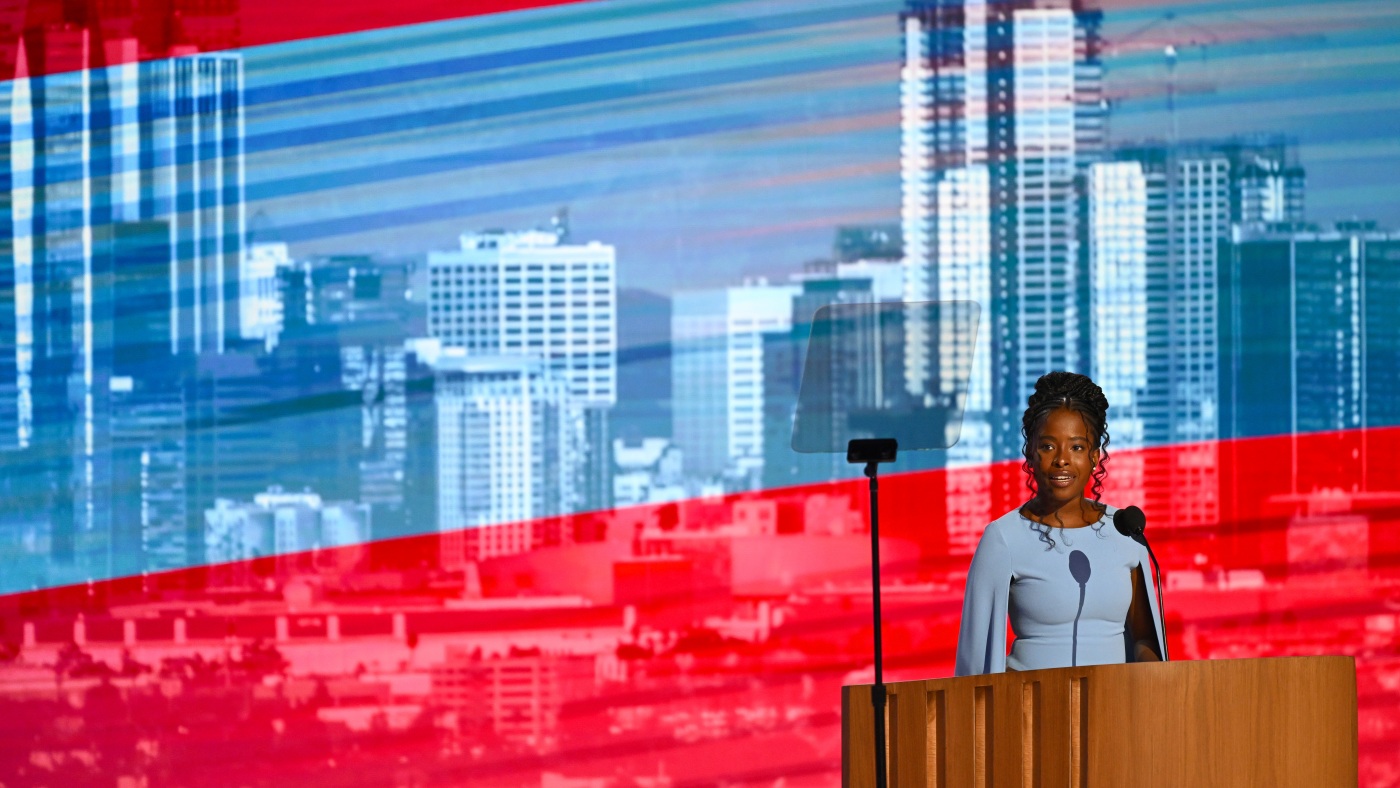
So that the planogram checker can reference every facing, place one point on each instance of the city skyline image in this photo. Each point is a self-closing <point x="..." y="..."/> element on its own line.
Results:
<point x="392" y="396"/>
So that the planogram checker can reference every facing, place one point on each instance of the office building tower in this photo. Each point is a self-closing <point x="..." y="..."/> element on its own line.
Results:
<point x="16" y="205"/>
<point x="392" y="388"/>
<point x="259" y="297"/>
<point x="60" y="179"/>
<point x="1266" y="180"/>
<point x="1117" y="239"/>
<point x="143" y="424"/>
<point x="1157" y="215"/>
<point x="717" y="361"/>
<point x="1309" y="343"/>
<point x="343" y="343"/>
<point x="93" y="145"/>
<point x="231" y="438"/>
<point x="531" y="294"/>
<point x="1001" y="114"/>
<point x="1048" y="76"/>
<point x="148" y="456"/>
<point x="192" y="175"/>
<point x="507" y="452"/>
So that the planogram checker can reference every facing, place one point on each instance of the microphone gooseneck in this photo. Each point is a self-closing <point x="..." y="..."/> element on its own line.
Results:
<point x="1078" y="568"/>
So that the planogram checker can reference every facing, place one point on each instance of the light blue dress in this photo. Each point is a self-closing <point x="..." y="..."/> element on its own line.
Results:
<point x="1015" y="572"/>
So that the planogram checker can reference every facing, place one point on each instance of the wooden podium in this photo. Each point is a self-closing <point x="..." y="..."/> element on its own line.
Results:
<point x="1287" y="721"/>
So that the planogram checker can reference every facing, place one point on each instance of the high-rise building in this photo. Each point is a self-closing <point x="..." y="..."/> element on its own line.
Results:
<point x="507" y="452"/>
<point x="1157" y="217"/>
<point x="191" y="166"/>
<point x="1266" y="180"/>
<point x="149" y="456"/>
<point x="717" y="366"/>
<point x="259" y="299"/>
<point x="1117" y="238"/>
<point x="1309" y="343"/>
<point x="1001" y="115"/>
<point x="232" y="440"/>
<point x="97" y="150"/>
<point x="531" y="294"/>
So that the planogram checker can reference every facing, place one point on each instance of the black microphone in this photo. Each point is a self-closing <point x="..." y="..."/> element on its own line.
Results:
<point x="1079" y="568"/>
<point x="1132" y="523"/>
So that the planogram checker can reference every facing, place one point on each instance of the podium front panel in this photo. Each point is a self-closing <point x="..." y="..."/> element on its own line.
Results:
<point x="1249" y="722"/>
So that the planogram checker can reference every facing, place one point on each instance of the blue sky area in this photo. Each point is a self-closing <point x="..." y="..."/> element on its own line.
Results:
<point x="717" y="139"/>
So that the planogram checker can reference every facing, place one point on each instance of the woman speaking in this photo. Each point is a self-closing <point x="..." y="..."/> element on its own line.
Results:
<point x="1076" y="589"/>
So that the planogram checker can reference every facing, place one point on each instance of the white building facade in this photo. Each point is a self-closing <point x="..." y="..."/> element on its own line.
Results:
<point x="1157" y="218"/>
<point x="507" y="452"/>
<point x="529" y="294"/>
<point x="526" y="294"/>
<point x="717" y="373"/>
<point x="1001" y="114"/>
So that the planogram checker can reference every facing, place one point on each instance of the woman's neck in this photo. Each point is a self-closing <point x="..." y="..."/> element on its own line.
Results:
<point x="1074" y="514"/>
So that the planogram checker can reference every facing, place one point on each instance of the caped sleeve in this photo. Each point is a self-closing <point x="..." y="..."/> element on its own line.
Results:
<point x="1145" y="564"/>
<point x="982" y="633"/>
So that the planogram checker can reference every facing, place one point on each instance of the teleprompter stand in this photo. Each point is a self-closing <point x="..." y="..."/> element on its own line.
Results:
<point x="872" y="452"/>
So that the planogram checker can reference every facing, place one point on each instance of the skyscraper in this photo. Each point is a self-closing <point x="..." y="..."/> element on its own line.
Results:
<point x="717" y="362"/>
<point x="192" y="175"/>
<point x="1001" y="114"/>
<point x="1310" y="341"/>
<point x="1158" y="215"/>
<point x="1117" y="238"/>
<point x="1266" y="180"/>
<point x="531" y="294"/>
<point x="507" y="452"/>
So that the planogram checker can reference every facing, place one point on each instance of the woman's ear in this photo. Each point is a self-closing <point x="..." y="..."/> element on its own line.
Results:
<point x="1094" y="458"/>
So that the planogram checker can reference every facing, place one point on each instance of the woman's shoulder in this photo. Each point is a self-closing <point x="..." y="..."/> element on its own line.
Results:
<point x="1007" y="527"/>
<point x="1013" y="524"/>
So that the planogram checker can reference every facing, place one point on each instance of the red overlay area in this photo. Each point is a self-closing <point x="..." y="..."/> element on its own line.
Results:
<point x="109" y="34"/>
<point x="688" y="644"/>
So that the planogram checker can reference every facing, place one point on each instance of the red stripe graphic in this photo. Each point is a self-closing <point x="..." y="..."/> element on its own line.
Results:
<point x="97" y="34"/>
<point x="703" y="640"/>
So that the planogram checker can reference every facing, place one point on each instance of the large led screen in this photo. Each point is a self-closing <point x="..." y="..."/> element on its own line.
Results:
<point x="402" y="393"/>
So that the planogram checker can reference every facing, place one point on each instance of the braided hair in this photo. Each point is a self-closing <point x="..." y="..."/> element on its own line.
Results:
<point x="1055" y="390"/>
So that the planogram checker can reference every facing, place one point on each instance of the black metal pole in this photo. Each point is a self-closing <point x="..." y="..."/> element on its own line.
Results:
<point x="877" y="692"/>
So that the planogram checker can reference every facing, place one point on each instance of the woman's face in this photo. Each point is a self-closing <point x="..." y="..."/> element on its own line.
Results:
<point x="1063" y="456"/>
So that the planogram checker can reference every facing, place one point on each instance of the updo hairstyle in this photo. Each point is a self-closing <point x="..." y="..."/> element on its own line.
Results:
<point x="1055" y="390"/>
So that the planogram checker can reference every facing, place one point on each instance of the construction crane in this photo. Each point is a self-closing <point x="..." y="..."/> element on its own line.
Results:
<point x="1176" y="36"/>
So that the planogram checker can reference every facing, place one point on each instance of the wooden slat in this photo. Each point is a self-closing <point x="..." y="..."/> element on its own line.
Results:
<point x="1031" y="725"/>
<point x="937" y="760"/>
<point x="1278" y="722"/>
